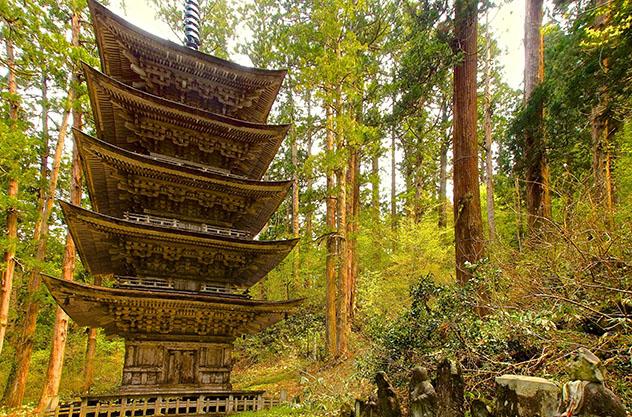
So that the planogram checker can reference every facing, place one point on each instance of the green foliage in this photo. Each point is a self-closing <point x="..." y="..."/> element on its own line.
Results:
<point x="384" y="68"/>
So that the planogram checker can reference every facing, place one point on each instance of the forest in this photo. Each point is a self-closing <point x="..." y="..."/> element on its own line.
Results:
<point x="441" y="212"/>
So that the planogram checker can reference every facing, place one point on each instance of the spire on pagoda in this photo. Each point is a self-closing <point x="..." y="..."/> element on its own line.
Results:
<point x="178" y="73"/>
<point x="192" y="24"/>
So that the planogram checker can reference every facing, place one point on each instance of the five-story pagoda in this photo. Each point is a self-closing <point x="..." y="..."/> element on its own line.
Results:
<point x="174" y="178"/>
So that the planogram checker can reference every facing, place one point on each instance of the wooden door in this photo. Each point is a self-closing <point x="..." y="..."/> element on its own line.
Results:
<point x="181" y="367"/>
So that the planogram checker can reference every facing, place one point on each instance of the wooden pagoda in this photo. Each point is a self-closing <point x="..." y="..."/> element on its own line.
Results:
<point x="174" y="179"/>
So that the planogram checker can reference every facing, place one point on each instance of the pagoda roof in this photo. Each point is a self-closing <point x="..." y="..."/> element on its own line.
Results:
<point x="170" y="316"/>
<point x="122" y="182"/>
<point x="176" y="72"/>
<point x="144" y="123"/>
<point x="109" y="245"/>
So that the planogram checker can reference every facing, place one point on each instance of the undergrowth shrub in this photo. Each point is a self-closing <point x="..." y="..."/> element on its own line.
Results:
<point x="524" y="312"/>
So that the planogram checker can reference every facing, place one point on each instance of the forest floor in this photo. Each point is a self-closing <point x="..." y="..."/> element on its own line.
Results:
<point x="314" y="388"/>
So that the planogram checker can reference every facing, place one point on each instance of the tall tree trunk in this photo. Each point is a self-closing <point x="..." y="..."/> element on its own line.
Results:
<point x="330" y="266"/>
<point x="343" y="266"/>
<point x="468" y="224"/>
<point x="296" y="260"/>
<point x="16" y="385"/>
<point x="91" y="349"/>
<point x="538" y="195"/>
<point x="375" y="184"/>
<point x="353" y="229"/>
<point x="393" y="179"/>
<point x="489" y="168"/>
<point x="519" y="223"/>
<point x="353" y="201"/>
<point x="43" y="175"/>
<point x="418" y="209"/>
<point x="12" y="210"/>
<point x="295" y="210"/>
<point x="443" y="183"/>
<point x="310" y="181"/>
<point x="49" y="397"/>
<point x="603" y="128"/>
<point x="343" y="259"/>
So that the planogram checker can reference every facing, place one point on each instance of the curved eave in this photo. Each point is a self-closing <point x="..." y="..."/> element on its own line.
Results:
<point x="107" y="195"/>
<point x="184" y="59"/>
<point x="93" y="306"/>
<point x="109" y="98"/>
<point x="98" y="238"/>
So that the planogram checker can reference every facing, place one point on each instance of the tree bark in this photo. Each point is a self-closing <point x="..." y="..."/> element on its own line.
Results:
<point x="343" y="259"/>
<point x="468" y="228"/>
<point x="519" y="227"/>
<point x="330" y="267"/>
<point x="43" y="178"/>
<point x="91" y="349"/>
<point x="310" y="182"/>
<point x="375" y="184"/>
<point x="296" y="265"/>
<point x="443" y="184"/>
<point x="12" y="211"/>
<point x="489" y="168"/>
<point x="393" y="179"/>
<point x="603" y="128"/>
<point x="538" y="194"/>
<point x="88" y="370"/>
<point x="353" y="228"/>
<point x="16" y="385"/>
<point x="49" y="397"/>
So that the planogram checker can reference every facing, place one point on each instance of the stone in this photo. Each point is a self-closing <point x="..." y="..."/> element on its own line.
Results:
<point x="450" y="389"/>
<point x="586" y="366"/>
<point x="423" y="398"/>
<point x="366" y="408"/>
<point x="387" y="401"/>
<point x="591" y="399"/>
<point x="587" y="396"/>
<point x="526" y="396"/>
<point x="478" y="408"/>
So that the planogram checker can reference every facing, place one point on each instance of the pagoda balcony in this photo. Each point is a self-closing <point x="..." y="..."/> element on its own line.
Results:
<point x="147" y="124"/>
<point x="109" y="245"/>
<point x="180" y="225"/>
<point x="177" y="285"/>
<point x="166" y="316"/>
<point x="202" y="167"/>
<point x="120" y="181"/>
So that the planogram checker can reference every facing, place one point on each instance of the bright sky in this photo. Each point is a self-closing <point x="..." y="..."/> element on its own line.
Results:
<point x="507" y="22"/>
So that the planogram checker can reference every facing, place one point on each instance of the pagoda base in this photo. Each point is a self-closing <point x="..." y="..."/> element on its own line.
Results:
<point x="171" y="367"/>
<point x="174" y="404"/>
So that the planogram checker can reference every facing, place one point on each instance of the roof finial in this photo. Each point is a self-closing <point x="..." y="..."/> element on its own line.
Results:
<point x="192" y="23"/>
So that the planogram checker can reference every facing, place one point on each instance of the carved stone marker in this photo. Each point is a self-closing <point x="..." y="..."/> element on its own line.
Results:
<point x="387" y="402"/>
<point x="586" y="366"/>
<point x="526" y="396"/>
<point x="423" y="398"/>
<point x="450" y="390"/>
<point x="587" y="395"/>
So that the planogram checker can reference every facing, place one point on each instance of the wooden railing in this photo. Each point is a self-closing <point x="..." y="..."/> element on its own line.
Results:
<point x="166" y="284"/>
<point x="191" y="164"/>
<point x="194" y="227"/>
<point x="165" y="405"/>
